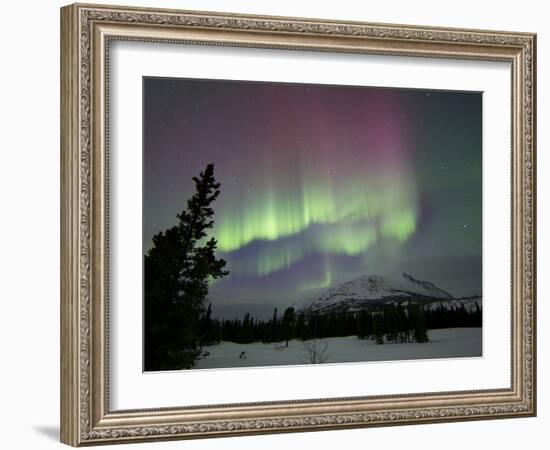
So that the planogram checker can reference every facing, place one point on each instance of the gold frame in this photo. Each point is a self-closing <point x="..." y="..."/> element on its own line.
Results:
<point x="86" y="31"/>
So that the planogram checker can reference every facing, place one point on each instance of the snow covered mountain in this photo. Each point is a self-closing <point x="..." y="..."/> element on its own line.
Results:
<point x="373" y="291"/>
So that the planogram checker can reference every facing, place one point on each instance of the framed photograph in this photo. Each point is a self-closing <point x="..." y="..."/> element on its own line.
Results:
<point x="274" y="224"/>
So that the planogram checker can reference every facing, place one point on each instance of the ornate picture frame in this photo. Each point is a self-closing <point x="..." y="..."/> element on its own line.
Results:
<point x="87" y="31"/>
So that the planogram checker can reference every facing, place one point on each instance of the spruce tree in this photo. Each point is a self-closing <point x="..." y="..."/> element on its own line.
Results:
<point x="300" y="326"/>
<point x="420" y="329"/>
<point x="208" y="334"/>
<point x="287" y="328"/>
<point x="176" y="273"/>
<point x="378" y="328"/>
<point x="274" y="327"/>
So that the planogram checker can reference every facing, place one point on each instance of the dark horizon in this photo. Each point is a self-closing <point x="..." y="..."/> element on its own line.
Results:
<point x="319" y="184"/>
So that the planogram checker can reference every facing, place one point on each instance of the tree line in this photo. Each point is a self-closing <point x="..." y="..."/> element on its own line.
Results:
<point x="455" y="317"/>
<point x="394" y="323"/>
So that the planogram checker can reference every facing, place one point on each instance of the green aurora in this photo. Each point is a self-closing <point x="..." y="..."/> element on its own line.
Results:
<point x="320" y="184"/>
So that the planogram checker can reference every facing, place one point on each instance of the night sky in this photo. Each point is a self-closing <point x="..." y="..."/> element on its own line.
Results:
<point x="319" y="184"/>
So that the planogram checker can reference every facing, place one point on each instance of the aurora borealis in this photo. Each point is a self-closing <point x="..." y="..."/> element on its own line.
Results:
<point x="319" y="184"/>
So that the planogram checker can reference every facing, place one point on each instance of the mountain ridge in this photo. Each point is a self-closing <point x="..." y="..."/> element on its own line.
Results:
<point x="374" y="291"/>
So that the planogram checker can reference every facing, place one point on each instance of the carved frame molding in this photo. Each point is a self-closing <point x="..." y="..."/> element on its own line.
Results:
<point x="86" y="31"/>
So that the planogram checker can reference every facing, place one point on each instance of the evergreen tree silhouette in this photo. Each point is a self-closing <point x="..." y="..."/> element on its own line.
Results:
<point x="274" y="327"/>
<point x="208" y="327"/>
<point x="176" y="273"/>
<point x="289" y="322"/>
<point x="378" y="328"/>
<point x="419" y="324"/>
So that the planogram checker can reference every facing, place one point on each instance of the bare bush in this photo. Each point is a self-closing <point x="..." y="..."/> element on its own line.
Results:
<point x="316" y="352"/>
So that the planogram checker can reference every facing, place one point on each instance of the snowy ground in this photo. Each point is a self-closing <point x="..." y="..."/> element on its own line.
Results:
<point x="446" y="343"/>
